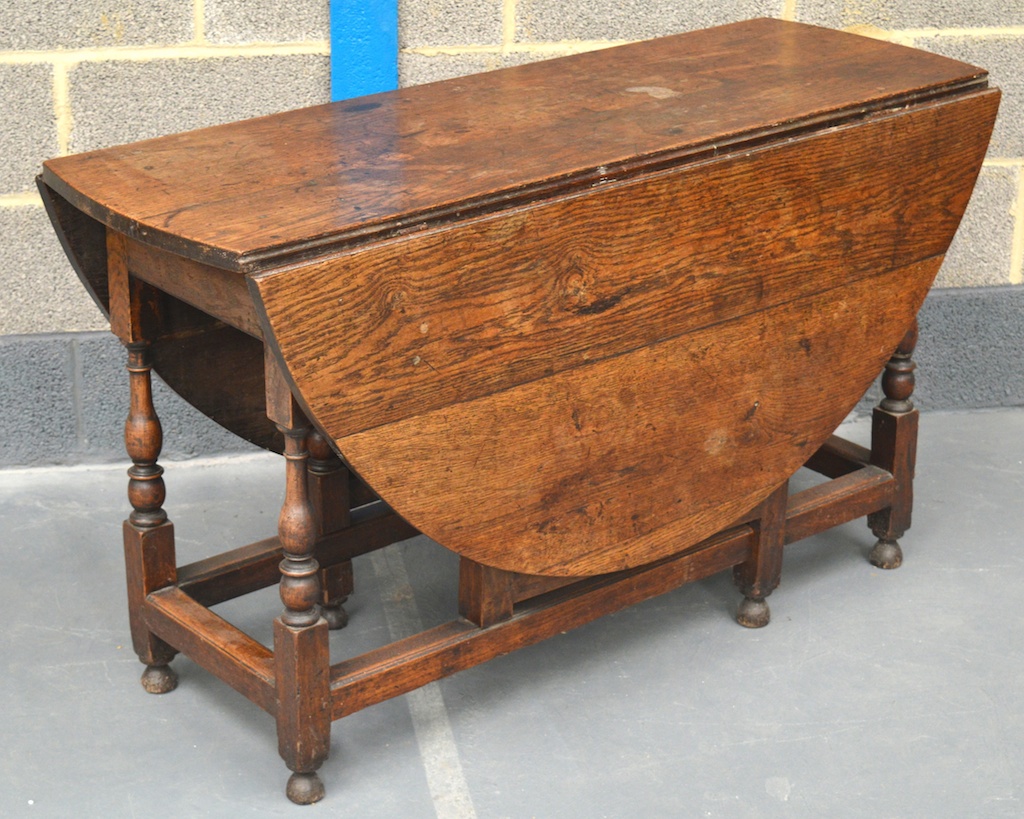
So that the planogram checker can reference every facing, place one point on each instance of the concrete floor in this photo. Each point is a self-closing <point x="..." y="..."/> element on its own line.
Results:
<point x="871" y="694"/>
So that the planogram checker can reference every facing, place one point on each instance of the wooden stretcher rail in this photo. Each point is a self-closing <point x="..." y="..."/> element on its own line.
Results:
<point x="215" y="644"/>
<point x="414" y="661"/>
<point x="410" y="663"/>
<point x="180" y="614"/>
<point x="229" y="575"/>
<point x="253" y="567"/>
<point x="837" y="457"/>
<point x="840" y="500"/>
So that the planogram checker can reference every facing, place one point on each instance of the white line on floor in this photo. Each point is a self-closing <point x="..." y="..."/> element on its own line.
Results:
<point x="447" y="784"/>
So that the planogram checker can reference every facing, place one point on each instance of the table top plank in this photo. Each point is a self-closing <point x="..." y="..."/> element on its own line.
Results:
<point x="636" y="457"/>
<point x="570" y="317"/>
<point x="439" y="317"/>
<point x="601" y="379"/>
<point x="261" y="192"/>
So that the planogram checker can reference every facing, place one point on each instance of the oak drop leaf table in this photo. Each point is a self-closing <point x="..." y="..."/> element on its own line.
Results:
<point x="578" y="321"/>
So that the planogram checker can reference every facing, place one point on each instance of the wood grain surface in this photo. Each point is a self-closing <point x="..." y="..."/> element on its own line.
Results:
<point x="588" y="384"/>
<point x="605" y="303"/>
<point x="635" y="457"/>
<point x="433" y="319"/>
<point x="577" y="321"/>
<point x="251" y="194"/>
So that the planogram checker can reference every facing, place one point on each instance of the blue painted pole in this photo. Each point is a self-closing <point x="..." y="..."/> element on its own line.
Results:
<point x="364" y="47"/>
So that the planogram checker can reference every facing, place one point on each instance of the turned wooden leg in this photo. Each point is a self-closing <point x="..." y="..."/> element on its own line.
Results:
<point x="894" y="448"/>
<point x="329" y="493"/>
<point x="148" y="534"/>
<point x="759" y="575"/>
<point x="301" y="656"/>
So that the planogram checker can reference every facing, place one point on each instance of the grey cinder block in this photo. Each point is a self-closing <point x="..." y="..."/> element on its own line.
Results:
<point x="416" y="69"/>
<point x="122" y="102"/>
<point x="539" y="20"/>
<point x="29" y="132"/>
<point x="64" y="398"/>
<point x="970" y="352"/>
<point x="902" y="14"/>
<point x="449" y="22"/>
<point x="37" y="402"/>
<point x="39" y="292"/>
<point x="266" y="21"/>
<point x="1003" y="57"/>
<point x="980" y="253"/>
<point x="49" y="24"/>
<point x="103" y="384"/>
<point x="104" y="405"/>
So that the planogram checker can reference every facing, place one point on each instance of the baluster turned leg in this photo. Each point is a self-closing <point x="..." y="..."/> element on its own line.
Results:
<point x="301" y="655"/>
<point x="329" y="493"/>
<point x="148" y="534"/>
<point x="894" y="448"/>
<point x="759" y="575"/>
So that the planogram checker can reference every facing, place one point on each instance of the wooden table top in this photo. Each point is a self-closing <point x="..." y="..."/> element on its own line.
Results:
<point x="265" y="191"/>
<point x="566" y="318"/>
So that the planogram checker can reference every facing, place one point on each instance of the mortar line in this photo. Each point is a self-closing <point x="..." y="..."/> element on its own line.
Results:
<point x="990" y="31"/>
<point x="449" y="790"/>
<point x="508" y="24"/>
<point x="185" y="51"/>
<point x="62" y="107"/>
<point x="789" y="10"/>
<point x="199" y="21"/>
<point x="562" y="47"/>
<point x="20" y="200"/>
<point x="1017" y="247"/>
<point x="1003" y="162"/>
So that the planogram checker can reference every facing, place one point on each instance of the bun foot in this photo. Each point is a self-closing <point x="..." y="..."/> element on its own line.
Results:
<point x="335" y="615"/>
<point x="305" y="788"/>
<point x="159" y="679"/>
<point x="753" y="613"/>
<point x="886" y="554"/>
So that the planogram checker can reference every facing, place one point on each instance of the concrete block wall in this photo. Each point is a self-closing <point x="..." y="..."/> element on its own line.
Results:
<point x="82" y="74"/>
